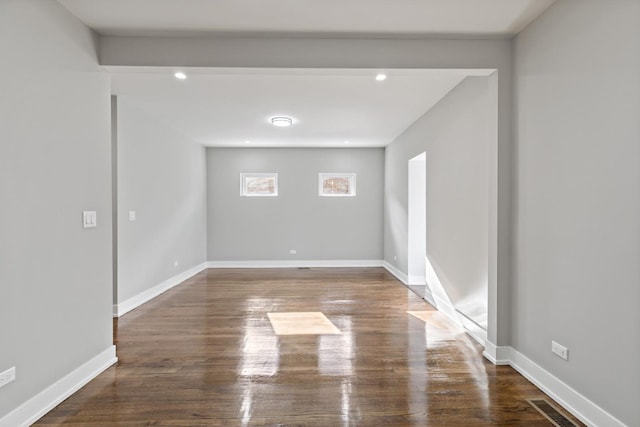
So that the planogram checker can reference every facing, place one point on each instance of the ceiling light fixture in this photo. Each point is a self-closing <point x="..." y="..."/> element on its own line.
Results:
<point x="281" y="121"/>
<point x="180" y="75"/>
<point x="381" y="77"/>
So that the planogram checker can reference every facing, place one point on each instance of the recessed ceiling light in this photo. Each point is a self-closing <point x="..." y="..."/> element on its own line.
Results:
<point x="380" y="77"/>
<point x="281" y="121"/>
<point x="180" y="75"/>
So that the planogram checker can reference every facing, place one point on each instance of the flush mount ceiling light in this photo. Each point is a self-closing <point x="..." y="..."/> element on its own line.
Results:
<point x="381" y="77"/>
<point x="281" y="121"/>
<point x="180" y="75"/>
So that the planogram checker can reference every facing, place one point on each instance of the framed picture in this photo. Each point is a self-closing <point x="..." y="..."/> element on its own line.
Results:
<point x="259" y="184"/>
<point x="337" y="184"/>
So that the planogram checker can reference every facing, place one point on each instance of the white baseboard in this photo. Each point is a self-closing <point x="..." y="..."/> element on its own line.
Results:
<point x="428" y="296"/>
<point x="473" y="329"/>
<point x="581" y="407"/>
<point x="296" y="263"/>
<point x="393" y="270"/>
<point x="137" y="300"/>
<point x="445" y="307"/>
<point x="570" y="399"/>
<point x="38" y="406"/>
<point x="498" y="355"/>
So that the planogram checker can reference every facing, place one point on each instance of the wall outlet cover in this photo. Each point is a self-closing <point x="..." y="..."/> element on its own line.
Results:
<point x="7" y="376"/>
<point x="560" y="350"/>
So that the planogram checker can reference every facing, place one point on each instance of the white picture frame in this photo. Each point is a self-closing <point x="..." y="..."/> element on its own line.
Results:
<point x="336" y="184"/>
<point x="258" y="184"/>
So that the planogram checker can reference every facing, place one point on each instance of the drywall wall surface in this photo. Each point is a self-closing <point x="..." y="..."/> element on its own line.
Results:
<point x="161" y="177"/>
<point x="318" y="228"/>
<point x="456" y="135"/>
<point x="114" y="195"/>
<point x="577" y="209"/>
<point x="55" y="276"/>
<point x="302" y="52"/>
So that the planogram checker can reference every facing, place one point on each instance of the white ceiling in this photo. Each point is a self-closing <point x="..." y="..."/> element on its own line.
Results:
<point x="345" y="17"/>
<point x="227" y="107"/>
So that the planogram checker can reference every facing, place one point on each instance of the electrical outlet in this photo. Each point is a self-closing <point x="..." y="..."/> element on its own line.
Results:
<point x="395" y="257"/>
<point x="7" y="376"/>
<point x="293" y="251"/>
<point x="560" y="350"/>
<point x="132" y="215"/>
<point x="176" y="264"/>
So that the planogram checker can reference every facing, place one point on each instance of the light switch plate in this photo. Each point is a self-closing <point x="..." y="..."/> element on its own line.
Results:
<point x="132" y="215"/>
<point x="89" y="219"/>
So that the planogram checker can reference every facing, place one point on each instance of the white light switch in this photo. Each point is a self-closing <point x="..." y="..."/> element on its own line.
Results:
<point x="132" y="215"/>
<point x="89" y="219"/>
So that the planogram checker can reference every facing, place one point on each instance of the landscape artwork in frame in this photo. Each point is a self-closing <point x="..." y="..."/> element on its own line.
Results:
<point x="337" y="184"/>
<point x="258" y="184"/>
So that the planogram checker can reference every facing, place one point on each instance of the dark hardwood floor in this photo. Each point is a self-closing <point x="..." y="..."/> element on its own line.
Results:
<point x="205" y="354"/>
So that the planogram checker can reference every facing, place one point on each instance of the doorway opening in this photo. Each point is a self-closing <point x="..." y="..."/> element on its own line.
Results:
<point x="417" y="208"/>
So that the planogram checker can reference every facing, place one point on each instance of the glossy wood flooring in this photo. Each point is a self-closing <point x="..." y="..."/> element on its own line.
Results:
<point x="205" y="354"/>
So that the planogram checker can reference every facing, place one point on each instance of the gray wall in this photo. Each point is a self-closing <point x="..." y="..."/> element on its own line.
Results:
<point x="457" y="136"/>
<point x="161" y="176"/>
<point x="577" y="276"/>
<point x="55" y="276"/>
<point x="319" y="228"/>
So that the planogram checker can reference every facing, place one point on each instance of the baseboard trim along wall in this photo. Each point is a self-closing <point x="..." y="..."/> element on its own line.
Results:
<point x="498" y="355"/>
<point x="295" y="263"/>
<point x="474" y="330"/>
<point x="571" y="400"/>
<point x="136" y="301"/>
<point x="445" y="307"/>
<point x="428" y="296"/>
<point x="393" y="270"/>
<point x="39" y="405"/>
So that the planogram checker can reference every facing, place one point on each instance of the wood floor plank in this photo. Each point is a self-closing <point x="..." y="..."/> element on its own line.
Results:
<point x="205" y="354"/>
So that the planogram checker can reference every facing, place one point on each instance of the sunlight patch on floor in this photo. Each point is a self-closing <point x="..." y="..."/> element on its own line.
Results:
<point x="302" y="323"/>
<point x="433" y="318"/>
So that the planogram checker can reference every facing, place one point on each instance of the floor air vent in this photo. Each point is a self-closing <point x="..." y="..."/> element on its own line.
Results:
<point x="551" y="413"/>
